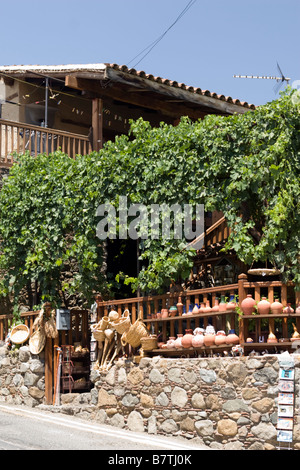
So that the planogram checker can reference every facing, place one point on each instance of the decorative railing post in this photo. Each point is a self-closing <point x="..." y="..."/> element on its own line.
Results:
<point x="242" y="295"/>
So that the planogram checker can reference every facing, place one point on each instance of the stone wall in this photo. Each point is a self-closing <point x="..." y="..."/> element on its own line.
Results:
<point x="222" y="403"/>
<point x="22" y="377"/>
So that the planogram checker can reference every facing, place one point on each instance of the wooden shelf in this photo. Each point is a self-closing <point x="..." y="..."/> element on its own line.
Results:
<point x="271" y="315"/>
<point x="189" y="317"/>
<point x="177" y="352"/>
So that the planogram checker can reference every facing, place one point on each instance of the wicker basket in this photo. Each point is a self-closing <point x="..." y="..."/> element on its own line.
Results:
<point x="121" y="325"/>
<point x="103" y="323"/>
<point x="37" y="341"/>
<point x="149" y="343"/>
<point x="98" y="334"/>
<point x="136" y="332"/>
<point x="19" y="334"/>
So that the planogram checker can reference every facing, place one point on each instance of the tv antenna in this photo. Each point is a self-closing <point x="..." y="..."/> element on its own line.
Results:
<point x="280" y="80"/>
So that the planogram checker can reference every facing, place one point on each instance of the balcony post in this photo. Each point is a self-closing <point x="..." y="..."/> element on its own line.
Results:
<point x="97" y="124"/>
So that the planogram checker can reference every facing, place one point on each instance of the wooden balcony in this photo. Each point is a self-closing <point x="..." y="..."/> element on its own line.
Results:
<point x="18" y="138"/>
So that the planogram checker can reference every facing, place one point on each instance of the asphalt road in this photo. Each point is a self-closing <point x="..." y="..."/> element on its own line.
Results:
<point x="23" y="428"/>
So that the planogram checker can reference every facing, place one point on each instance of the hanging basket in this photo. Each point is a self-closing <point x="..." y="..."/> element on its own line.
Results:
<point x="264" y="272"/>
<point x="19" y="334"/>
<point x="121" y="325"/>
<point x="136" y="332"/>
<point x="37" y="341"/>
<point x="149" y="343"/>
<point x="98" y="334"/>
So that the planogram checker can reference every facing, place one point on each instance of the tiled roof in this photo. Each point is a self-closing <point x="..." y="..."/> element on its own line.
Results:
<point x="72" y="68"/>
<point x="172" y="83"/>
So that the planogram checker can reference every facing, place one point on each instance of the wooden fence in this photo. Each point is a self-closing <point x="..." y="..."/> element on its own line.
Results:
<point x="19" y="138"/>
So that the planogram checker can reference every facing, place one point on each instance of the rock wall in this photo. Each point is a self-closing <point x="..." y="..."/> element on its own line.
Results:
<point x="22" y="377"/>
<point x="222" y="403"/>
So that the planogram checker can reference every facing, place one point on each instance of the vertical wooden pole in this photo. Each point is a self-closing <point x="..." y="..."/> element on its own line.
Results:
<point x="242" y="295"/>
<point x="49" y="371"/>
<point x="97" y="124"/>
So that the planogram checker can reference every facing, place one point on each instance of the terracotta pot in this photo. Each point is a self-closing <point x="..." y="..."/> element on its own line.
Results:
<point x="187" y="339"/>
<point x="247" y="305"/>
<point x="207" y="308"/>
<point x="179" y="306"/>
<point x="173" y="311"/>
<point x="231" y="304"/>
<point x="164" y="313"/>
<point x="171" y="343"/>
<point x="158" y="315"/>
<point x="198" y="338"/>
<point x="288" y="309"/>
<point x="178" y="341"/>
<point x="201" y="308"/>
<point x="209" y="339"/>
<point x="215" y="308"/>
<point x="222" y="304"/>
<point x="160" y="345"/>
<point x="232" y="338"/>
<point x="195" y="310"/>
<point x="263" y="307"/>
<point x="220" y="338"/>
<point x="298" y="309"/>
<point x="276" y="307"/>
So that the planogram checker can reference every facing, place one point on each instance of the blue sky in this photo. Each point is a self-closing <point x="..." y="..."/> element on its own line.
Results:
<point x="213" y="41"/>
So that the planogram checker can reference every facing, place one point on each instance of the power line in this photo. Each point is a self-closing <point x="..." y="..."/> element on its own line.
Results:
<point x="151" y="46"/>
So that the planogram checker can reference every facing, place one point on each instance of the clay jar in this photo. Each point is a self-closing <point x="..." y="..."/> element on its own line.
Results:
<point x="207" y="308"/>
<point x="209" y="339"/>
<point x="179" y="306"/>
<point x="173" y="311"/>
<point x="247" y="305"/>
<point x="232" y="338"/>
<point x="222" y="304"/>
<point x="195" y="310"/>
<point x="198" y="338"/>
<point x="177" y="342"/>
<point x="298" y="309"/>
<point x="187" y="339"/>
<point x="164" y="313"/>
<point x="231" y="304"/>
<point x="263" y="307"/>
<point x="171" y="343"/>
<point x="288" y="309"/>
<point x="276" y="307"/>
<point x="220" y="338"/>
<point x="215" y="308"/>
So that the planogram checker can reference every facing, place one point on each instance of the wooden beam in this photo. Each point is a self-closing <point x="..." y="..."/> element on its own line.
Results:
<point x="97" y="124"/>
<point x="120" y="93"/>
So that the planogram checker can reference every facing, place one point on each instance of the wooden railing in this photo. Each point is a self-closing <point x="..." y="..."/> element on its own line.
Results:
<point x="19" y="138"/>
<point x="150" y="305"/>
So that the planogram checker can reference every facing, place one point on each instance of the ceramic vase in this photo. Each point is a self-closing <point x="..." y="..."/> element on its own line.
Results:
<point x="195" y="310"/>
<point x="173" y="311"/>
<point x="179" y="306"/>
<point x="207" y="308"/>
<point x="187" y="339"/>
<point x="222" y="304"/>
<point x="247" y="305"/>
<point x="220" y="338"/>
<point x="276" y="307"/>
<point x="198" y="338"/>
<point x="288" y="309"/>
<point x="231" y="304"/>
<point x="178" y="341"/>
<point x="209" y="339"/>
<point x="298" y="309"/>
<point x="164" y="313"/>
<point x="171" y="343"/>
<point x="232" y="338"/>
<point x="215" y="308"/>
<point x="263" y="307"/>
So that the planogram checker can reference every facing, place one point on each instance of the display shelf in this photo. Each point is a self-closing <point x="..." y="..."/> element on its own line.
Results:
<point x="190" y="351"/>
<point x="189" y="317"/>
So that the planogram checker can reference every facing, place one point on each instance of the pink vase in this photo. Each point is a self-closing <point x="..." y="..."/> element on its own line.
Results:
<point x="231" y="304"/>
<point x="209" y="339"/>
<point x="220" y="338"/>
<point x="298" y="309"/>
<point x="207" y="308"/>
<point x="247" y="305"/>
<point x="187" y="339"/>
<point x="288" y="309"/>
<point x="195" y="310"/>
<point x="164" y="313"/>
<point x="222" y="304"/>
<point x="232" y="338"/>
<point x="202" y="307"/>
<point x="276" y="307"/>
<point x="263" y="307"/>
<point x="177" y="342"/>
<point x="170" y="343"/>
<point x="215" y="308"/>
<point x="179" y="306"/>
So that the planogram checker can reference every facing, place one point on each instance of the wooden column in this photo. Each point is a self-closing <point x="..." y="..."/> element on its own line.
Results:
<point x="49" y="371"/>
<point x="97" y="124"/>
<point x="243" y="324"/>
